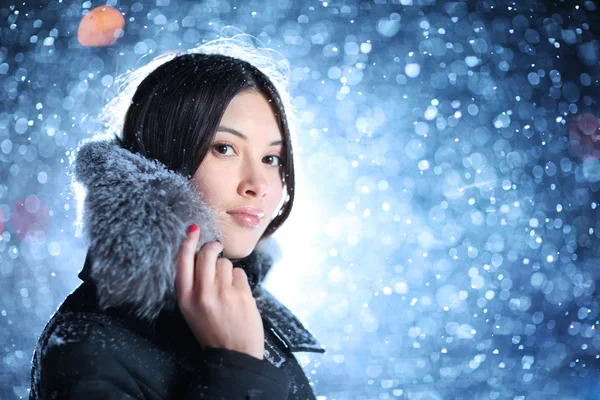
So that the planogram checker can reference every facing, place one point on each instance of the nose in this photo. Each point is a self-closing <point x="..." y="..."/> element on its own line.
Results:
<point x="253" y="182"/>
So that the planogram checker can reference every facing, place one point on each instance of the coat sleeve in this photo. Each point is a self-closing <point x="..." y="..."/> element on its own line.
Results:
<point x="88" y="370"/>
<point x="229" y="374"/>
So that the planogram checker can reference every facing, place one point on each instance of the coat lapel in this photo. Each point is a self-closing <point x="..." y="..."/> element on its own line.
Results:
<point x="285" y="324"/>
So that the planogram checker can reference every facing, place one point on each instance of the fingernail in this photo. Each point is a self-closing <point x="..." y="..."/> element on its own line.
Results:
<point x="192" y="228"/>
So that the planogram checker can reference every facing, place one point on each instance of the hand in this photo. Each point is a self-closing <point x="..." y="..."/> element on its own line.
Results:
<point x="215" y="299"/>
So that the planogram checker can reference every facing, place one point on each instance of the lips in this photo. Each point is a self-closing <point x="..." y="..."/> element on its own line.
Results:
<point x="247" y="216"/>
<point x="258" y="212"/>
<point x="247" y="220"/>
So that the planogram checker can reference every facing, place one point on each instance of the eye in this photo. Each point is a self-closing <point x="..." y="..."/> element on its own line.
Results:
<point x="279" y="160"/>
<point x="218" y="147"/>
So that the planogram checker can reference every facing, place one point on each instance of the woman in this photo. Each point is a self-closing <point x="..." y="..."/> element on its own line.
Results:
<point x="178" y="212"/>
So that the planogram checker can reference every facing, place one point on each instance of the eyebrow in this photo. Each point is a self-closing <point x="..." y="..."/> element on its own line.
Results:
<point x="239" y="134"/>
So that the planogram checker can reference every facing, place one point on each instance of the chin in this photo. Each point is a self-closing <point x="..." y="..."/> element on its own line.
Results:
<point x="236" y="246"/>
<point x="237" y="252"/>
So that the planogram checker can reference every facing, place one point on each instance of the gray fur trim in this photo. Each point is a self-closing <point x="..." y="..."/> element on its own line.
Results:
<point x="136" y="213"/>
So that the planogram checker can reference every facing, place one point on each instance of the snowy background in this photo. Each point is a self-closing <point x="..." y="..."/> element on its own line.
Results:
<point x="445" y="243"/>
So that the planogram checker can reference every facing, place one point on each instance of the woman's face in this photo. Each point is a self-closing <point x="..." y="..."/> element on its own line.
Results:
<point x="242" y="169"/>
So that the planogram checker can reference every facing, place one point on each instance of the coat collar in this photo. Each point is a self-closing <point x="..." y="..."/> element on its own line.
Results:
<point x="135" y="213"/>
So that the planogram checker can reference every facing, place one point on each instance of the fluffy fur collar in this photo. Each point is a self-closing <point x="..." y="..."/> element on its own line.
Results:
<point x="135" y="215"/>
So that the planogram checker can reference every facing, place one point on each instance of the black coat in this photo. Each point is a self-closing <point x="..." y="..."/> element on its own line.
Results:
<point x="120" y="334"/>
<point x="87" y="353"/>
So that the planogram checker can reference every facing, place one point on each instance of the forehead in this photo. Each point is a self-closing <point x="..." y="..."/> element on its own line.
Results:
<point x="251" y="113"/>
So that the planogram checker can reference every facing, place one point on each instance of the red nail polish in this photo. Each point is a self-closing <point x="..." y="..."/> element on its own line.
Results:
<point x="192" y="228"/>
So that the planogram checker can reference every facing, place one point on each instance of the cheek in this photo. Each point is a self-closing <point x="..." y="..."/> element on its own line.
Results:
<point x="276" y="193"/>
<point x="209" y="186"/>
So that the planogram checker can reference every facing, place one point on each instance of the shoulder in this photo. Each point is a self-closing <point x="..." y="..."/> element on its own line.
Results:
<point x="81" y="342"/>
<point x="79" y="324"/>
<point x="79" y="352"/>
<point x="84" y="349"/>
<point x="80" y="329"/>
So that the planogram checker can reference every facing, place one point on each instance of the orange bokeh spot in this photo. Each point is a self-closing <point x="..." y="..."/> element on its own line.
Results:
<point x="102" y="26"/>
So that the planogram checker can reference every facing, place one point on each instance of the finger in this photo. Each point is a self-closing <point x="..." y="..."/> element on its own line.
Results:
<point x="206" y="264"/>
<point x="184" y="279"/>
<point x="223" y="273"/>
<point x="240" y="279"/>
